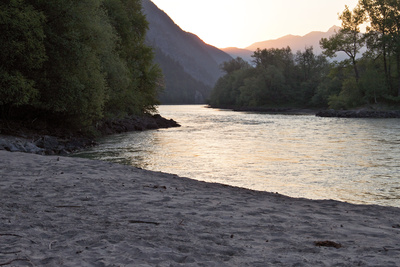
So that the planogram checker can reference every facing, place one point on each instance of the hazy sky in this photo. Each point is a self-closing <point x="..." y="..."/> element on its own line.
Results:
<point x="240" y="23"/>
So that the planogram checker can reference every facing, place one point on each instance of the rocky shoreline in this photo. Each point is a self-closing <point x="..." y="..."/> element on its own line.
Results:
<point x="288" y="111"/>
<point x="359" y="113"/>
<point x="51" y="142"/>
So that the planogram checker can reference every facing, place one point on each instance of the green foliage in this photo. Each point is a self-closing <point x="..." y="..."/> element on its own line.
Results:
<point x="22" y="51"/>
<point x="73" y="84"/>
<point x="228" y="89"/>
<point x="234" y="65"/>
<point x="130" y="25"/>
<point x="349" y="39"/>
<point x="312" y="70"/>
<point x="16" y="89"/>
<point x="78" y="60"/>
<point x="372" y="81"/>
<point x="280" y="78"/>
<point x="348" y="97"/>
<point x="383" y="37"/>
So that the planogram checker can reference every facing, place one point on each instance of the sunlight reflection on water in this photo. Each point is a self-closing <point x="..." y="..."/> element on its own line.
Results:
<point x="354" y="160"/>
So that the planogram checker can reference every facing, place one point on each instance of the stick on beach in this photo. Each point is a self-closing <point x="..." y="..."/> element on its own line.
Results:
<point x="78" y="212"/>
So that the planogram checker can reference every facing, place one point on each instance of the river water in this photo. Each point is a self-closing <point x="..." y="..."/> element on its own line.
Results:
<point x="353" y="160"/>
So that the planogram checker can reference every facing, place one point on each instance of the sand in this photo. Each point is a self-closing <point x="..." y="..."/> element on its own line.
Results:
<point x="59" y="211"/>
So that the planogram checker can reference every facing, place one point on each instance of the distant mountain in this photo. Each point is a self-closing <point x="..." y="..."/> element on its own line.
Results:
<point x="181" y="87"/>
<point x="239" y="52"/>
<point x="296" y="42"/>
<point x="195" y="64"/>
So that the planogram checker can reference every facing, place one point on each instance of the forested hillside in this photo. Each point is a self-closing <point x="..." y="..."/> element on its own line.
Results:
<point x="180" y="86"/>
<point x="283" y="78"/>
<point x="75" y="62"/>
<point x="190" y="66"/>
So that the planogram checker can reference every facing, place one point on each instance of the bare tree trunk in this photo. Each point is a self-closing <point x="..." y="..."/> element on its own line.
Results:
<point x="398" y="71"/>
<point x="355" y="68"/>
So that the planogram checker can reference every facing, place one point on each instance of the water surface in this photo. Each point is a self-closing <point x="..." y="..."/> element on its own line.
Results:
<point x="354" y="160"/>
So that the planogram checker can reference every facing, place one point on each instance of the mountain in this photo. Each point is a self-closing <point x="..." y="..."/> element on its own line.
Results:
<point x="239" y="52"/>
<point x="195" y="64"/>
<point x="296" y="42"/>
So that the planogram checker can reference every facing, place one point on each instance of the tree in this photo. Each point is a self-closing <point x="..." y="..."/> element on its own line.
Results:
<point x="395" y="33"/>
<point x="306" y="61"/>
<point x="143" y="76"/>
<point x="348" y="39"/>
<point x="73" y="84"/>
<point x="234" y="65"/>
<point x="312" y="70"/>
<point x="379" y="31"/>
<point x="73" y="61"/>
<point x="22" y="52"/>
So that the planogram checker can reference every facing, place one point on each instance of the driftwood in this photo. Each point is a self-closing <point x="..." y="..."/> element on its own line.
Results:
<point x="144" y="222"/>
<point x="327" y="244"/>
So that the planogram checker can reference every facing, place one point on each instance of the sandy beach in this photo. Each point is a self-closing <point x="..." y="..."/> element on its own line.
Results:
<point x="59" y="211"/>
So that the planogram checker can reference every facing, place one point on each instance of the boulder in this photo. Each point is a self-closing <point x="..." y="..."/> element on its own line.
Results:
<point x="47" y="142"/>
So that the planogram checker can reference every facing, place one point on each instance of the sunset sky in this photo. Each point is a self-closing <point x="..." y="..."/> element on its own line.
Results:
<point x="240" y="23"/>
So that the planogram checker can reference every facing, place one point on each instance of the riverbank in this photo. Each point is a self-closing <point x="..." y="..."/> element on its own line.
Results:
<point x="60" y="211"/>
<point x="287" y="110"/>
<point x="362" y="113"/>
<point x="356" y="113"/>
<point x="17" y="137"/>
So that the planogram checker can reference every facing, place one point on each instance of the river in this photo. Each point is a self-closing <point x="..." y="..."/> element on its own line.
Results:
<point x="352" y="160"/>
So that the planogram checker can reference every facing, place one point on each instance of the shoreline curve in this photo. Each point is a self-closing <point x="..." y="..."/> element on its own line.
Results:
<point x="77" y="212"/>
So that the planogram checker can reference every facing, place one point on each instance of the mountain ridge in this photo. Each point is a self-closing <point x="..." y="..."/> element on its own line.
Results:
<point x="182" y="46"/>
<point x="185" y="51"/>
<point x="295" y="42"/>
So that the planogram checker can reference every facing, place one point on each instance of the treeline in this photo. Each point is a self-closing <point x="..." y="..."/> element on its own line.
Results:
<point x="281" y="78"/>
<point x="75" y="61"/>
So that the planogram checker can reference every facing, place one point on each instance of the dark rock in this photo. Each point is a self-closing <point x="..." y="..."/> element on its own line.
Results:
<point x="164" y="123"/>
<point x="136" y="123"/>
<point x="13" y="147"/>
<point x="47" y="142"/>
<point x="32" y="148"/>
<point x="14" y="144"/>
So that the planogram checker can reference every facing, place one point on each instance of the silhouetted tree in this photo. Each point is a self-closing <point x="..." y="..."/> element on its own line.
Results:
<point x="348" y="39"/>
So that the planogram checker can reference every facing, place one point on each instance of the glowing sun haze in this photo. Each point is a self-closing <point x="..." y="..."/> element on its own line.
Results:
<point x="240" y="23"/>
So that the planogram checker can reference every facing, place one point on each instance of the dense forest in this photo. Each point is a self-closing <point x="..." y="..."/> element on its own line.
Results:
<point x="75" y="62"/>
<point x="281" y="78"/>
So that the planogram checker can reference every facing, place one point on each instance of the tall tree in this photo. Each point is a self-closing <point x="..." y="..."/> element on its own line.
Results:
<point x="22" y="52"/>
<point x="143" y="84"/>
<point x="234" y="65"/>
<point x="311" y="70"/>
<point x="348" y="39"/>
<point x="73" y="85"/>
<point x="384" y="34"/>
<point x="394" y="15"/>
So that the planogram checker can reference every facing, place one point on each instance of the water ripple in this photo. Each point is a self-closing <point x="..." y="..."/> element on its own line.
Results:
<point x="354" y="160"/>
